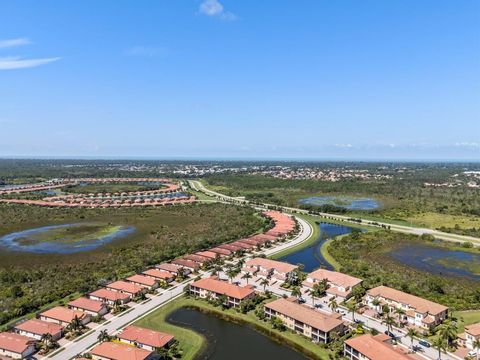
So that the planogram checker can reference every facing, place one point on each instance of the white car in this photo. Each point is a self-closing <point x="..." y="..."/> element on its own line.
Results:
<point x="472" y="353"/>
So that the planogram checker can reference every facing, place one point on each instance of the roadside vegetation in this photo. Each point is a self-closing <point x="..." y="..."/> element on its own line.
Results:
<point x="30" y="281"/>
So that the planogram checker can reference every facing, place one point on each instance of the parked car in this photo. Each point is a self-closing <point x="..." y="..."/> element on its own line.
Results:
<point x="424" y="343"/>
<point x="472" y="353"/>
<point x="389" y="333"/>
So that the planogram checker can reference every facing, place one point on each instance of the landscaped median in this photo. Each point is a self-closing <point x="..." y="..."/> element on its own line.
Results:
<point x="193" y="343"/>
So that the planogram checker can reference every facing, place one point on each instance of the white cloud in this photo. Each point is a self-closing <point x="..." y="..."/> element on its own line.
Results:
<point x="8" y="43"/>
<point x="214" y="8"/>
<point x="148" y="51"/>
<point x="14" y="62"/>
<point x="471" y="145"/>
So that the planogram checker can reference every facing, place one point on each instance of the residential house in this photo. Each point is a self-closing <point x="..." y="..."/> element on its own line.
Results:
<point x="143" y="281"/>
<point x="264" y="268"/>
<point x="35" y="328"/>
<point x="109" y="297"/>
<point x="63" y="316"/>
<point x="116" y="351"/>
<point x="370" y="347"/>
<point x="214" y="288"/>
<point x="16" y="346"/>
<point x="145" y="338"/>
<point x="125" y="287"/>
<point x="339" y="285"/>
<point x="172" y="268"/>
<point x="159" y="275"/>
<point x="89" y="306"/>
<point x="471" y="334"/>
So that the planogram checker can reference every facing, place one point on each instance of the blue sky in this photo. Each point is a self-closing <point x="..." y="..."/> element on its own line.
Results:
<point x="395" y="79"/>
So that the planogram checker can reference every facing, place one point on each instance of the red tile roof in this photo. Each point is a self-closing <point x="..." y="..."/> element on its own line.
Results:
<point x="124" y="286"/>
<point x="87" y="304"/>
<point x="109" y="295"/>
<point x="222" y="287"/>
<point x="39" y="327"/>
<point x="473" y="329"/>
<point x="168" y="267"/>
<point x="117" y="351"/>
<point x="335" y="277"/>
<point x="14" y="342"/>
<point x="159" y="274"/>
<point x="267" y="264"/>
<point x="63" y="314"/>
<point x="145" y="336"/>
<point x="375" y="348"/>
<point x="305" y="314"/>
<point x="142" y="280"/>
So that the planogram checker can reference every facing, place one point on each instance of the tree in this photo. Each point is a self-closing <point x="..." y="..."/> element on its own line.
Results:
<point x="447" y="331"/>
<point x="412" y="333"/>
<point x="264" y="283"/>
<point x="222" y="301"/>
<point x="352" y="307"/>
<point x="103" y="336"/>
<point x="376" y="303"/>
<point x="332" y="304"/>
<point x="318" y="290"/>
<point x="440" y="344"/>
<point x="75" y="325"/>
<point x="296" y="292"/>
<point x="47" y="342"/>
<point x="399" y="311"/>
<point x="231" y="273"/>
<point x="389" y="321"/>
<point x="216" y="270"/>
<point x="246" y="276"/>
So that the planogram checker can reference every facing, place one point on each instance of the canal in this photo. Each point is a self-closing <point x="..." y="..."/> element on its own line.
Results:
<point x="227" y="340"/>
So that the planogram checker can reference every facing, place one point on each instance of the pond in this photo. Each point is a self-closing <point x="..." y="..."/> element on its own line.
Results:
<point x="64" y="239"/>
<point x="232" y="341"/>
<point x="440" y="261"/>
<point x="310" y="256"/>
<point x="343" y="202"/>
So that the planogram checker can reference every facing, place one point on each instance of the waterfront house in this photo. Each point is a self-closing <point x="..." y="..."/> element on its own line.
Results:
<point x="418" y="311"/>
<point x="145" y="338"/>
<point x="116" y="351"/>
<point x="63" y="316"/>
<point x="35" y="328"/>
<point x="109" y="297"/>
<point x="369" y="347"/>
<point x="16" y="346"/>
<point x="339" y="284"/>
<point x="89" y="306"/>
<point x="125" y="287"/>
<point x="303" y="319"/>
<point x="213" y="288"/>
<point x="264" y="268"/>
<point x="471" y="334"/>
<point x="143" y="281"/>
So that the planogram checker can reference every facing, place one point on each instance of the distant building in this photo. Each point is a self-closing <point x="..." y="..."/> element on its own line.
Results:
<point x="159" y="275"/>
<point x="418" y="311"/>
<point x="215" y="288"/>
<point x="339" y="284"/>
<point x="369" y="347"/>
<point x="309" y="322"/>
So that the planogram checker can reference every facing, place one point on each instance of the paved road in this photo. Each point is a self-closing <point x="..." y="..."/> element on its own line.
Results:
<point x="112" y="326"/>
<point x="198" y="186"/>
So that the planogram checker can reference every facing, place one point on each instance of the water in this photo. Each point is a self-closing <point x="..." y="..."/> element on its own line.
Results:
<point x="347" y="203"/>
<point x="227" y="340"/>
<point x="311" y="257"/>
<point x="12" y="241"/>
<point x="439" y="261"/>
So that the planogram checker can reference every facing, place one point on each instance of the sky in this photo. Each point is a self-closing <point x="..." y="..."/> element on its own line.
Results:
<point x="283" y="79"/>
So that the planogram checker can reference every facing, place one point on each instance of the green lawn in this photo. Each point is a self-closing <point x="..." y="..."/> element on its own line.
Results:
<point x="191" y="342"/>
<point x="324" y="250"/>
<point x="466" y="318"/>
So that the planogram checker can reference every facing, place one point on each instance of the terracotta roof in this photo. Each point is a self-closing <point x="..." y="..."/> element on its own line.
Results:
<point x="335" y="277"/>
<point x="221" y="251"/>
<point x="222" y="287"/>
<point x="109" y="295"/>
<point x="305" y="314"/>
<point x="186" y="263"/>
<point x="207" y="254"/>
<point x="230" y="247"/>
<point x="419" y="304"/>
<point x="168" y="267"/>
<point x="117" y="351"/>
<point x="279" y="266"/>
<point x="14" y="342"/>
<point x="142" y="280"/>
<point x="87" y="304"/>
<point x="145" y="336"/>
<point x="242" y="245"/>
<point x="158" y="274"/>
<point x="197" y="258"/>
<point x="127" y="287"/>
<point x="63" y="314"/>
<point x="473" y="329"/>
<point x="39" y="327"/>
<point x="375" y="348"/>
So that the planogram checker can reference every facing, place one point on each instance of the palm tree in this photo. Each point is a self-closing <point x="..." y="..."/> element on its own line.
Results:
<point x="399" y="311"/>
<point x="447" y="331"/>
<point x="412" y="333"/>
<point x="264" y="283"/>
<point x="352" y="307"/>
<point x="103" y="336"/>
<point x="246" y="276"/>
<point x="317" y="291"/>
<point x="47" y="342"/>
<point x="376" y="303"/>
<point x="440" y="344"/>
<point x="296" y="292"/>
<point x="75" y="324"/>
<point x="216" y="270"/>
<point x="231" y="273"/>
<point x="389" y="321"/>
<point x="332" y="304"/>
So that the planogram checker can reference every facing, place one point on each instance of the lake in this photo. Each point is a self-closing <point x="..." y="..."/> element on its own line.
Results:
<point x="63" y="239"/>
<point x="440" y="261"/>
<point x="310" y="256"/>
<point x="343" y="202"/>
<point x="228" y="340"/>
